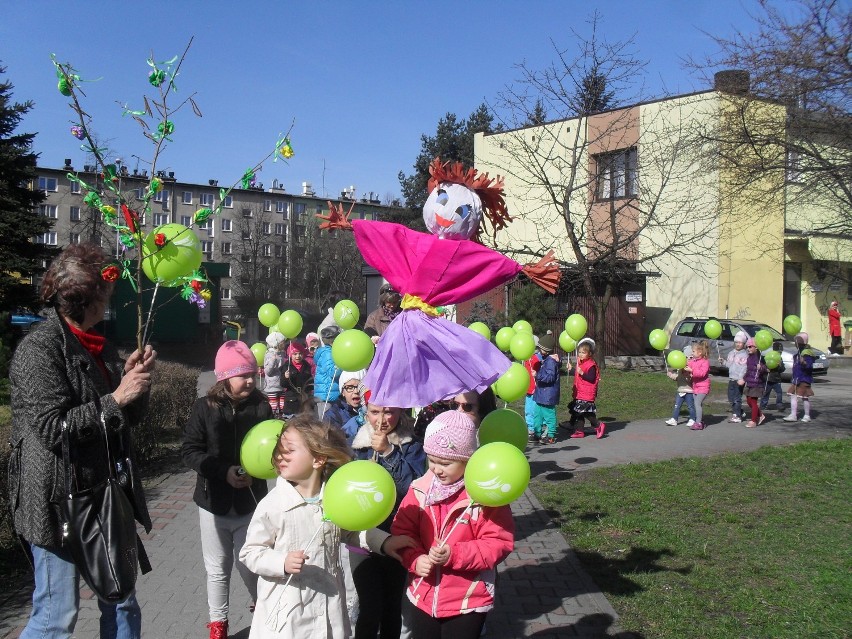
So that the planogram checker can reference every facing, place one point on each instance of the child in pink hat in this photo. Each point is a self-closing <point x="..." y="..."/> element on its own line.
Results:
<point x="452" y="567"/>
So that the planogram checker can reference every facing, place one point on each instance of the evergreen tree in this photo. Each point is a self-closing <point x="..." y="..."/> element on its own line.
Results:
<point x="21" y="257"/>
<point x="592" y="96"/>
<point x="538" y="115"/>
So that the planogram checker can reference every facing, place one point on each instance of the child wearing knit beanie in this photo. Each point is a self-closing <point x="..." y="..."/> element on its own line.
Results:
<point x="458" y="543"/>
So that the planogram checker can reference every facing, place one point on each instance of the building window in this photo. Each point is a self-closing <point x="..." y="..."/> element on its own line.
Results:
<point x="267" y="228"/>
<point x="75" y="187"/>
<point x="245" y="257"/>
<point x="226" y="248"/>
<point x="74" y="238"/>
<point x="794" y="166"/>
<point x="47" y="184"/>
<point x="186" y="220"/>
<point x="208" y="226"/>
<point x="281" y="207"/>
<point x="207" y="248"/>
<point x="267" y="205"/>
<point x="246" y="234"/>
<point x="205" y="199"/>
<point x="267" y="250"/>
<point x="279" y="228"/>
<point x="226" y="225"/>
<point x="228" y="202"/>
<point x="299" y="210"/>
<point x="75" y="214"/>
<point x="161" y="218"/>
<point x="226" y="293"/>
<point x="616" y="174"/>
<point x="47" y="210"/>
<point x="47" y="238"/>
<point x="279" y="250"/>
<point x="247" y="213"/>
<point x="186" y="197"/>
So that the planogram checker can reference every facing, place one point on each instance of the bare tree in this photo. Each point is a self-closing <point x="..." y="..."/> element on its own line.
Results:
<point x="613" y="195"/>
<point x="790" y="116"/>
<point x="261" y="250"/>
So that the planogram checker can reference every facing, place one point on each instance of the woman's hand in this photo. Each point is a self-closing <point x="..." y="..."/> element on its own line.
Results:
<point x="236" y="479"/>
<point x="135" y="383"/>
<point x="393" y="544"/>
<point x="423" y="566"/>
<point x="146" y="358"/>
<point x="294" y="561"/>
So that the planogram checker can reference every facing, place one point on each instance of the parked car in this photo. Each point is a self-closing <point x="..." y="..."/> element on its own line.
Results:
<point x="691" y="329"/>
<point x="23" y="319"/>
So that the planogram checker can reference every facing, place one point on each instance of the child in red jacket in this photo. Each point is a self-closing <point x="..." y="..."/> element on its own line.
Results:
<point x="458" y="543"/>
<point x="587" y="376"/>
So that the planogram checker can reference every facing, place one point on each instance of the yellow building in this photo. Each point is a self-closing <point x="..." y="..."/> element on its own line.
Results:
<point x="664" y="187"/>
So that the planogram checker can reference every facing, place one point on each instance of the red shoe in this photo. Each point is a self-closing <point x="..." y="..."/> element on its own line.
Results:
<point x="578" y="434"/>
<point x="218" y="629"/>
<point x="600" y="431"/>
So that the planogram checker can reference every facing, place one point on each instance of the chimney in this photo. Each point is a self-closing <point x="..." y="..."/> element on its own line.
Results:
<point x="307" y="189"/>
<point x="733" y="81"/>
<point x="68" y="166"/>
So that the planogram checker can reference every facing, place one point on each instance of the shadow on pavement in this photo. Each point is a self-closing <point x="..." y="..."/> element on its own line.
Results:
<point x="588" y="627"/>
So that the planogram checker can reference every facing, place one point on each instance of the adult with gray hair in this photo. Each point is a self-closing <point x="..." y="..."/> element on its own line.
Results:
<point x="66" y="375"/>
<point x="378" y="321"/>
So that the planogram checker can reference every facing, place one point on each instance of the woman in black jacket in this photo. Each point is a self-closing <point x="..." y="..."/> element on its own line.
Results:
<point x="225" y="495"/>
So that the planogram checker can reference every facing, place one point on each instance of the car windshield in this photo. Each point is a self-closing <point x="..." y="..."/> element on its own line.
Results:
<point x="752" y="329"/>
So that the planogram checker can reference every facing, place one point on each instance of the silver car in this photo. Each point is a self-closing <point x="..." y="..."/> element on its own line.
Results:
<point x="691" y="329"/>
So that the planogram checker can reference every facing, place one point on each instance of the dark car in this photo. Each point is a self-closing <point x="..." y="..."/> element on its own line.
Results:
<point x="691" y="329"/>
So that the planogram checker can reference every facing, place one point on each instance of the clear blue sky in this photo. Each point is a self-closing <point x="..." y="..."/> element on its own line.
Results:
<point x="362" y="80"/>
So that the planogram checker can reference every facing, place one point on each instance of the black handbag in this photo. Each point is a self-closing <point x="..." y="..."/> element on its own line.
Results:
<point x="99" y="530"/>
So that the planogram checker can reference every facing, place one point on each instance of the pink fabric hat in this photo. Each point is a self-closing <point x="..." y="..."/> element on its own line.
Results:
<point x="802" y="337"/>
<point x="311" y="337"/>
<point x="750" y="341"/>
<point x="451" y="435"/>
<point x="741" y="337"/>
<point x="234" y="358"/>
<point x="297" y="347"/>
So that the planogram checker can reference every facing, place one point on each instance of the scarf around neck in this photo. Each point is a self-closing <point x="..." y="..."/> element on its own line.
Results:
<point x="438" y="492"/>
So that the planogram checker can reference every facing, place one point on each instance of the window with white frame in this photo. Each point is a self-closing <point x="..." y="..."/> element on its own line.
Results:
<point x="226" y="225"/>
<point x="139" y="193"/>
<point x="47" y="184"/>
<point x="247" y="213"/>
<point x="246" y="234"/>
<point x="186" y="220"/>
<point x="229" y="270"/>
<point x="74" y="238"/>
<point x="75" y="187"/>
<point x="279" y="250"/>
<point x="207" y="247"/>
<point x="299" y="210"/>
<point x="74" y="214"/>
<point x="161" y="218"/>
<point x="281" y="207"/>
<point x="226" y="248"/>
<point x="205" y="199"/>
<point x="228" y="202"/>
<point x="226" y="293"/>
<point x="267" y="205"/>
<point x="267" y="228"/>
<point x="186" y="198"/>
<point x="794" y="166"/>
<point x="245" y="257"/>
<point x="279" y="228"/>
<point x="162" y="196"/>
<point x="47" y="210"/>
<point x="616" y="174"/>
<point x="267" y="250"/>
<point x="47" y="238"/>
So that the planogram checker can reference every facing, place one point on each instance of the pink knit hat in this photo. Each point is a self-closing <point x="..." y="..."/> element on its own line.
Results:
<point x="234" y="358"/>
<point x="750" y="342"/>
<point x="451" y="435"/>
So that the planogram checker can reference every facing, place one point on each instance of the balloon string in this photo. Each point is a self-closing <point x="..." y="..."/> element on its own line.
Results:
<point x="148" y="320"/>
<point x="444" y="540"/>
<point x="328" y="394"/>
<point x="307" y="545"/>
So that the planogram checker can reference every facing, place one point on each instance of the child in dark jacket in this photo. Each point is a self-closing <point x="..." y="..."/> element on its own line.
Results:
<point x="773" y="383"/>
<point x="800" y="384"/>
<point x="225" y="495"/>
<point x="547" y="390"/>
<point x="755" y="383"/>
<point x="296" y="379"/>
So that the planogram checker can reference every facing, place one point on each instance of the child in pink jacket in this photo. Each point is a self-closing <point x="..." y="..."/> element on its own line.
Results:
<point x="458" y="543"/>
<point x="698" y="369"/>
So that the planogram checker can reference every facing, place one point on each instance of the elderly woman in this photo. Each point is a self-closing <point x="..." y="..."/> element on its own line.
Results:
<point x="64" y="372"/>
<point x="378" y="321"/>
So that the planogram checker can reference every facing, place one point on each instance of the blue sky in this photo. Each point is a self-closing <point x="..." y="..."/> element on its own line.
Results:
<point x="362" y="80"/>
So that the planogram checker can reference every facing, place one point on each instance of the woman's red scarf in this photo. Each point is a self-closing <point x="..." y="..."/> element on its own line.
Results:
<point x="94" y="344"/>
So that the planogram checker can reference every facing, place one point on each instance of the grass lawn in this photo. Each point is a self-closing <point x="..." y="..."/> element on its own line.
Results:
<point x="739" y="545"/>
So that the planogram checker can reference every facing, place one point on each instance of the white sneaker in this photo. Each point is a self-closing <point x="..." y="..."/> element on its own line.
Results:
<point x="806" y="418"/>
<point x="735" y="419"/>
<point x="690" y="423"/>
<point x="671" y="421"/>
<point x="792" y="418"/>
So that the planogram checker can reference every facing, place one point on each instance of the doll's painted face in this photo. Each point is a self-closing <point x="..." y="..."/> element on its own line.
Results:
<point x="452" y="211"/>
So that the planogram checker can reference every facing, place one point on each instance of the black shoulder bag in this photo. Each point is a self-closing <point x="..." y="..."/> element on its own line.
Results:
<point x="99" y="530"/>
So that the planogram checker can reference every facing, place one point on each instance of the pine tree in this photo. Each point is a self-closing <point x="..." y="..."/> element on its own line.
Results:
<point x="21" y="257"/>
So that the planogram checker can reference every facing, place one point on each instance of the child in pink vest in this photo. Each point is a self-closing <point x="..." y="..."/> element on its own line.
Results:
<point x="586" y="379"/>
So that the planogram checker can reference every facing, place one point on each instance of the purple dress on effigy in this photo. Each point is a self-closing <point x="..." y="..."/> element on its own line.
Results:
<point x="420" y="358"/>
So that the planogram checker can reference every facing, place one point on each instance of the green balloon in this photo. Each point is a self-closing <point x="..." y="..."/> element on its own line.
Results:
<point x="522" y="345"/>
<point x="346" y="314"/>
<point x="566" y="343"/>
<point x="268" y="314"/>
<point x="179" y="256"/>
<point x="792" y="324"/>
<point x="576" y="326"/>
<point x="772" y="359"/>
<point x="513" y="384"/>
<point x="359" y="495"/>
<point x="503" y="425"/>
<point x="259" y="351"/>
<point x="482" y="329"/>
<point x="497" y="474"/>
<point x="763" y="339"/>
<point x="290" y="324"/>
<point x="676" y="360"/>
<point x="659" y="339"/>
<point x="712" y="329"/>
<point x="522" y="325"/>
<point x="504" y="337"/>
<point x="257" y="448"/>
<point x="352" y="350"/>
